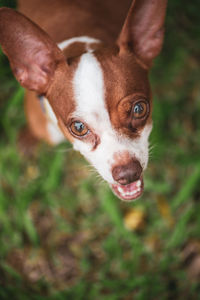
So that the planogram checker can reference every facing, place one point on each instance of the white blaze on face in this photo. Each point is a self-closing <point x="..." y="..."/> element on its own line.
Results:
<point x="89" y="93"/>
<point x="79" y="39"/>
<point x="55" y="134"/>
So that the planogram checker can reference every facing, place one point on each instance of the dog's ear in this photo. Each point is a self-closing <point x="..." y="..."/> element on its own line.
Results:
<point x="32" y="54"/>
<point x="143" y="30"/>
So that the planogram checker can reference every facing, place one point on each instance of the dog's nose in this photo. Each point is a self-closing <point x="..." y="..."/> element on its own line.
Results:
<point x="128" y="173"/>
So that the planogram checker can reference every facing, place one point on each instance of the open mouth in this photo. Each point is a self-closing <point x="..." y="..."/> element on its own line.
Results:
<point x="129" y="191"/>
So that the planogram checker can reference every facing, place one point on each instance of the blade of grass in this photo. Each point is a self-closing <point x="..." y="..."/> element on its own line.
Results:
<point x="54" y="172"/>
<point x="110" y="205"/>
<point x="180" y="232"/>
<point x="187" y="188"/>
<point x="30" y="229"/>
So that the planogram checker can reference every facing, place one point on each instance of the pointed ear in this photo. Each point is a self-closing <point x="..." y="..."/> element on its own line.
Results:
<point x="143" y="30"/>
<point x="32" y="54"/>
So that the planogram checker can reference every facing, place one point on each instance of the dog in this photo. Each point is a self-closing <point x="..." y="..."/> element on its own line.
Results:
<point x="89" y="71"/>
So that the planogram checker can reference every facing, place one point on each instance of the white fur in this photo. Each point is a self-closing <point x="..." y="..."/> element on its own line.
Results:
<point x="54" y="131"/>
<point x="82" y="39"/>
<point x="88" y="86"/>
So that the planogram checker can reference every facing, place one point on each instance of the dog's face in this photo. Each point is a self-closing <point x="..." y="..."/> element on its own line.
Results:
<point x="109" y="116"/>
<point x="101" y="98"/>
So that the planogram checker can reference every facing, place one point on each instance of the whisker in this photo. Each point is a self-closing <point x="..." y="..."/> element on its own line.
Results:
<point x="95" y="174"/>
<point x="152" y="147"/>
<point x="89" y="168"/>
<point x="100" y="181"/>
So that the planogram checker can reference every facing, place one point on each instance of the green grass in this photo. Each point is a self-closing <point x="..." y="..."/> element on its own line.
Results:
<point x="62" y="231"/>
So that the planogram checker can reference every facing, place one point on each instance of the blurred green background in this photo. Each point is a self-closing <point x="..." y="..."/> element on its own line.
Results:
<point x="64" y="235"/>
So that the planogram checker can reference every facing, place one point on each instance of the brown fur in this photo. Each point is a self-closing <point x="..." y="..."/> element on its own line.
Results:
<point x="64" y="19"/>
<point x="125" y="82"/>
<point x="37" y="120"/>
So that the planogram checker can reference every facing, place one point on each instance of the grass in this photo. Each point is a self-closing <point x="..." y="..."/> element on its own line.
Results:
<point x="64" y="234"/>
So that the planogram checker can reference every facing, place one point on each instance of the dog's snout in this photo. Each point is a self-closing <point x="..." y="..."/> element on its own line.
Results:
<point x="128" y="173"/>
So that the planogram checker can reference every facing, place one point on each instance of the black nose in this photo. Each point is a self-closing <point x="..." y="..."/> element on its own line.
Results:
<point x="128" y="173"/>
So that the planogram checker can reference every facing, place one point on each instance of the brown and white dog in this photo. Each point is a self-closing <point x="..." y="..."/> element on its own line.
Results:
<point x="95" y="79"/>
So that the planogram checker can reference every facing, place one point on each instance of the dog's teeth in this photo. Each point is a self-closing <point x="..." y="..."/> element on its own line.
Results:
<point x="120" y="189"/>
<point x="130" y="193"/>
<point x="138" y="184"/>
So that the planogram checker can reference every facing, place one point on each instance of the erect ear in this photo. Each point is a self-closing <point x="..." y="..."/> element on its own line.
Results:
<point x="143" y="30"/>
<point x="32" y="54"/>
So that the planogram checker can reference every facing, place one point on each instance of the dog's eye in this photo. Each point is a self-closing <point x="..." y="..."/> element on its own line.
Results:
<point x="78" y="128"/>
<point x="139" y="110"/>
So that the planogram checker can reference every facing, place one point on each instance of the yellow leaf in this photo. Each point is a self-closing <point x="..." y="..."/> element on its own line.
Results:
<point x="134" y="219"/>
<point x="32" y="172"/>
<point x="164" y="210"/>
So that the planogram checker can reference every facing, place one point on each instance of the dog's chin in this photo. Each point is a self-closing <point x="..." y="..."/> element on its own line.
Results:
<point x="129" y="192"/>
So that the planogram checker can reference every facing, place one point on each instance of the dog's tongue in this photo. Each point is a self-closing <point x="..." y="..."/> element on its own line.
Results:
<point x="129" y="191"/>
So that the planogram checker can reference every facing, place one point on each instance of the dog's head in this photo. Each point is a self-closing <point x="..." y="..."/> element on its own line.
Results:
<point x="101" y="97"/>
